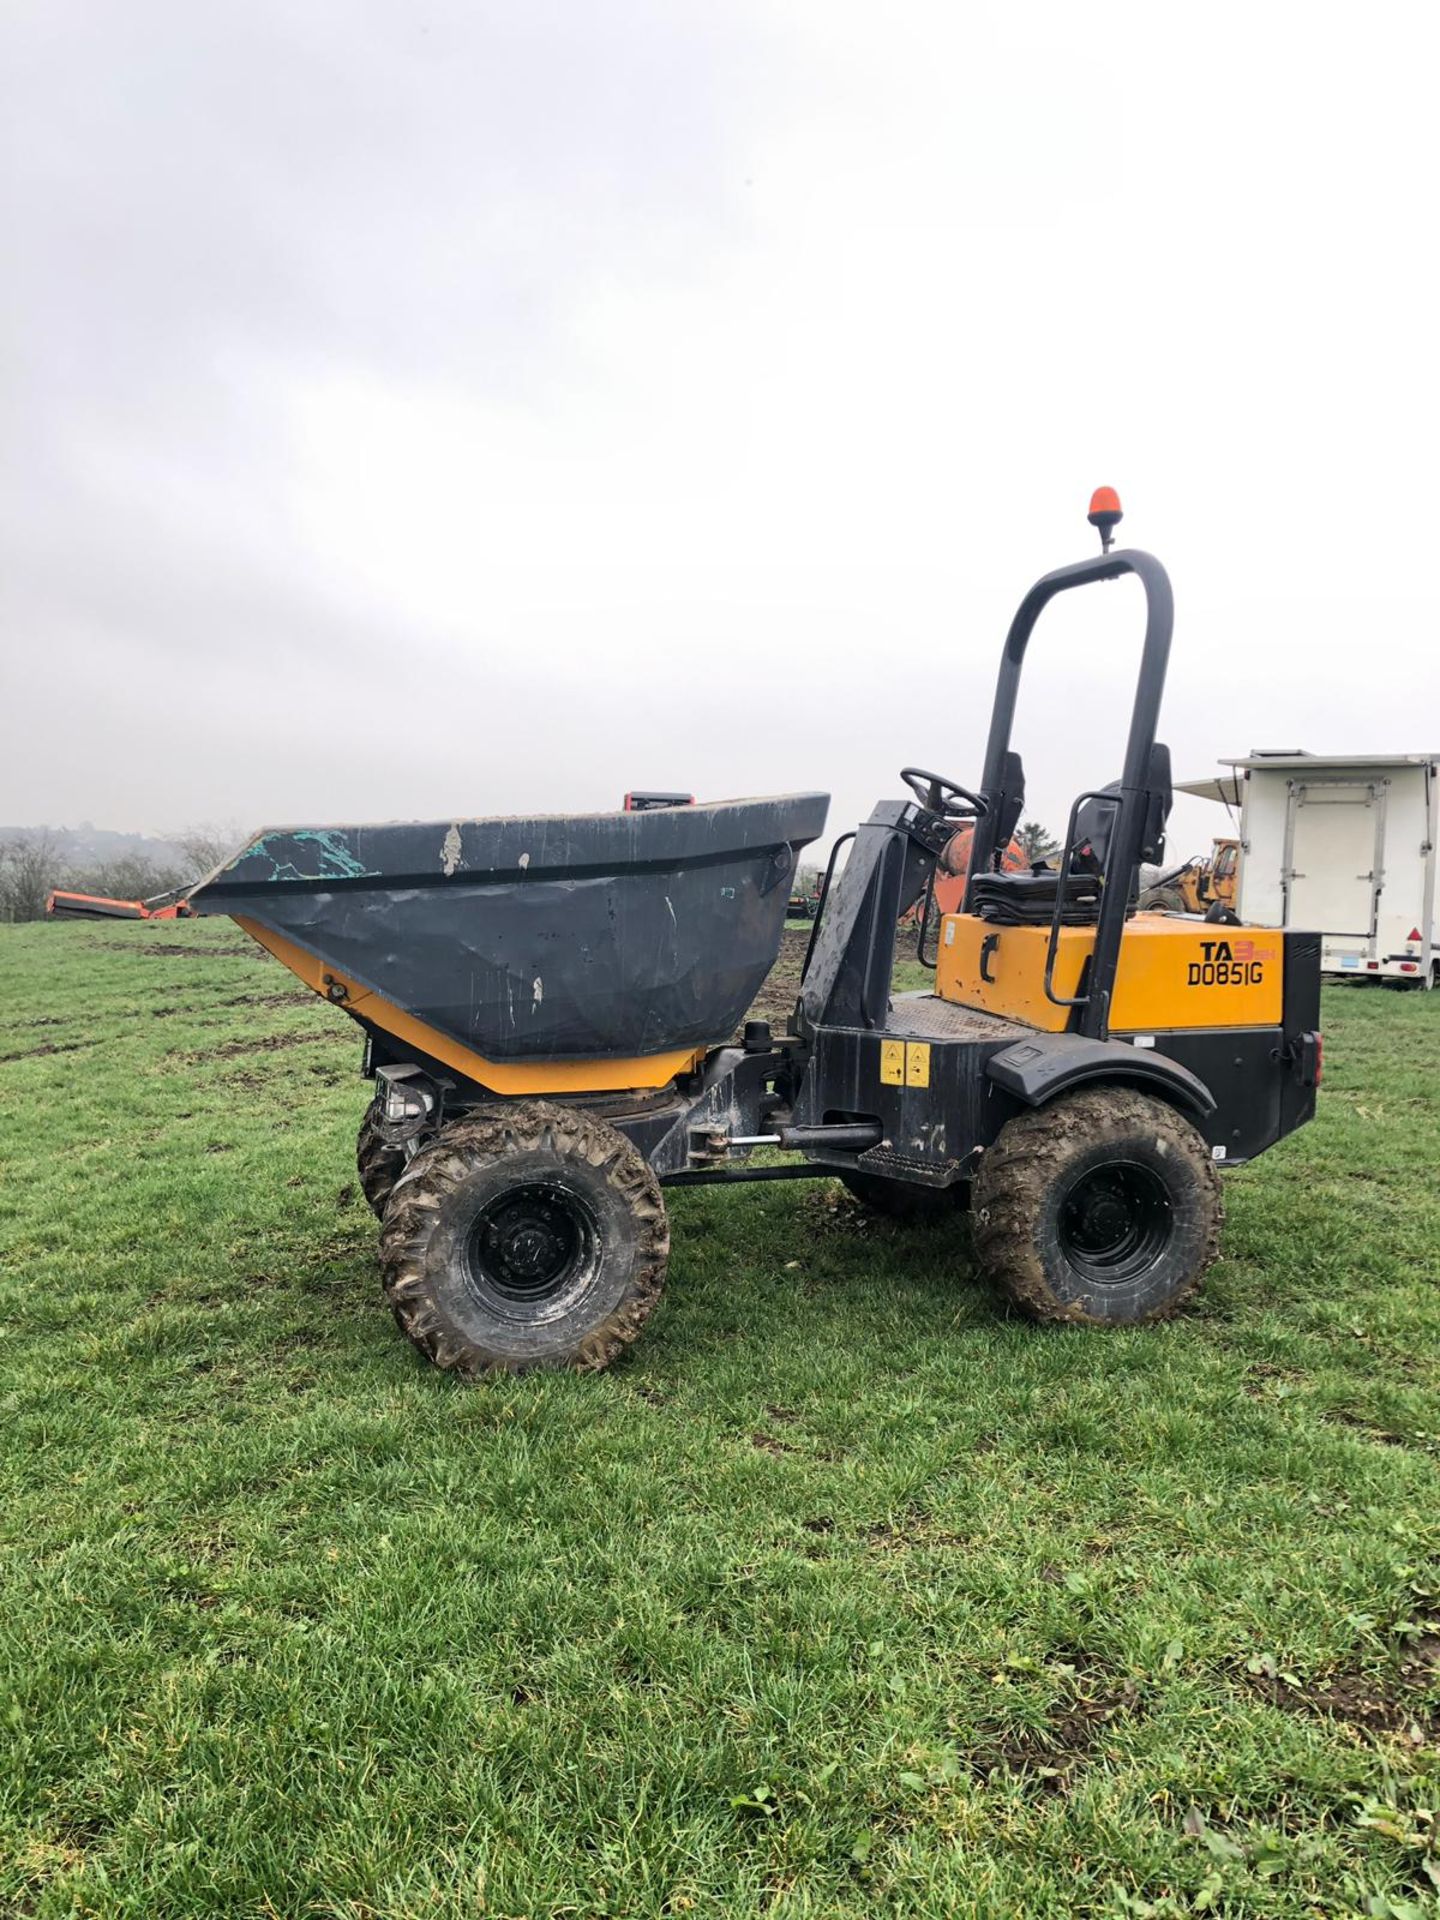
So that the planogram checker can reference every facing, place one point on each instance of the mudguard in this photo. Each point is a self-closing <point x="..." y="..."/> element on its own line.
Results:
<point x="1035" y="1071"/>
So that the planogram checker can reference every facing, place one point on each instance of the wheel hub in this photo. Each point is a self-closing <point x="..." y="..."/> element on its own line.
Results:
<point x="1100" y="1220"/>
<point x="528" y="1243"/>
<point x="1115" y="1221"/>
<point x="531" y="1250"/>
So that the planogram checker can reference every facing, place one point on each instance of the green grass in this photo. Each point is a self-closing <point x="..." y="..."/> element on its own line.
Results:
<point x="845" y="1594"/>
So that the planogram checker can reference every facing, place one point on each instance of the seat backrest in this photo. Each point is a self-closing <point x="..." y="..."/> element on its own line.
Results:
<point x="1094" y="827"/>
<point x="1095" y="821"/>
<point x="1160" y="796"/>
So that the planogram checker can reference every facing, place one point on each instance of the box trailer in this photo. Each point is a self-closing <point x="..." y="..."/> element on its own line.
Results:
<point x="1343" y="846"/>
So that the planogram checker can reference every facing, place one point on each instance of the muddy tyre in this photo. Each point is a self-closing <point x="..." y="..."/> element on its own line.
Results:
<point x="1102" y="1208"/>
<point x="528" y="1235"/>
<point x="902" y="1200"/>
<point x="377" y="1163"/>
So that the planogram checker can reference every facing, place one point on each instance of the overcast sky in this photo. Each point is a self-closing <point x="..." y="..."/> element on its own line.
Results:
<point x="438" y="409"/>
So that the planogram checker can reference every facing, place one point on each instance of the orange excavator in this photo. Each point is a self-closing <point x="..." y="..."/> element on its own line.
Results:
<point x="946" y="892"/>
<point x="954" y="866"/>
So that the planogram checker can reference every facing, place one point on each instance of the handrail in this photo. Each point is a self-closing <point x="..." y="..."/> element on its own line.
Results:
<point x="821" y="899"/>
<point x="1053" y="947"/>
<point x="924" y="927"/>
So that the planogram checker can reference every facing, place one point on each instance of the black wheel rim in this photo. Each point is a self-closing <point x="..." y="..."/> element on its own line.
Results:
<point x="532" y="1246"/>
<point x="1115" y="1221"/>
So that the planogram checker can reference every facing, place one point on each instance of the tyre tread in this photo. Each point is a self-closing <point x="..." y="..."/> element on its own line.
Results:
<point x="1017" y="1170"/>
<point x="378" y="1165"/>
<point x="478" y="1139"/>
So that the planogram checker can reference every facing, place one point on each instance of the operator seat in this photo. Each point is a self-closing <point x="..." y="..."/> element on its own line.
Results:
<point x="1029" y="899"/>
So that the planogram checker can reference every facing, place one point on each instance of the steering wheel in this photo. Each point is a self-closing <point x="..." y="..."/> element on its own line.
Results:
<point x="944" y="797"/>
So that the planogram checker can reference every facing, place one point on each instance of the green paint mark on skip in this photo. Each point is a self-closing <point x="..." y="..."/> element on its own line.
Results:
<point x="334" y="858"/>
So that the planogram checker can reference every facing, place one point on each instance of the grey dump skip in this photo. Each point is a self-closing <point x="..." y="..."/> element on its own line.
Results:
<point x="541" y="937"/>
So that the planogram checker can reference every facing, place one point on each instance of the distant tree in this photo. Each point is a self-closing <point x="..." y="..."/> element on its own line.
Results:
<point x="131" y="878"/>
<point x="29" y="868"/>
<point x="34" y="862"/>
<point x="204" y="847"/>
<point x="1036" y="842"/>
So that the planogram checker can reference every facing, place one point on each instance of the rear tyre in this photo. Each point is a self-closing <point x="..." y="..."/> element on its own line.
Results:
<point x="526" y="1235"/>
<point x="378" y="1164"/>
<point x="1162" y="900"/>
<point x="901" y="1200"/>
<point x="1102" y="1208"/>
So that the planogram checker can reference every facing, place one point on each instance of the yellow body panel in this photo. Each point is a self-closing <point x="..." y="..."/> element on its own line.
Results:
<point x="500" y="1076"/>
<point x="1172" y="973"/>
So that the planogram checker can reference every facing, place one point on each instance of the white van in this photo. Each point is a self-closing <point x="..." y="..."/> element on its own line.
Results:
<point x="1344" y="846"/>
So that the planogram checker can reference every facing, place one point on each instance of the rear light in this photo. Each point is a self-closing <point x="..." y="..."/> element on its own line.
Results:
<point x="1306" y="1056"/>
<point x="1408" y="966"/>
<point x="408" y="1100"/>
<point x="1373" y="965"/>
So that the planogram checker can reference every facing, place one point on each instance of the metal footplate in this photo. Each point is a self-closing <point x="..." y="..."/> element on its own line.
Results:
<point x="891" y="1165"/>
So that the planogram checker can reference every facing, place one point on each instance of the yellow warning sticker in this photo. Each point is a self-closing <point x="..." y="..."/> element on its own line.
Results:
<point x="904" y="1063"/>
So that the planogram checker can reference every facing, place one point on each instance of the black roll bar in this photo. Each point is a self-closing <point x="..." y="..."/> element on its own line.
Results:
<point x="1122" y="863"/>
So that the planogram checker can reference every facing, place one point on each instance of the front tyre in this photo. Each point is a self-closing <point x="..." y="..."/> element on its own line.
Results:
<point x="1102" y="1208"/>
<point x="525" y="1235"/>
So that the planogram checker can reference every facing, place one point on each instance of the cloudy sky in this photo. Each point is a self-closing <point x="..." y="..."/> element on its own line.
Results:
<point x="456" y="407"/>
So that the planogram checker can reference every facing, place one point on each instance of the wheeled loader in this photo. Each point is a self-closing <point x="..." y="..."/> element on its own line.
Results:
<point x="553" y="1010"/>
<point x="1206" y="886"/>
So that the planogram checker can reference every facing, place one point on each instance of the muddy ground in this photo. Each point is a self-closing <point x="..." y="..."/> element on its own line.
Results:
<point x="777" y="997"/>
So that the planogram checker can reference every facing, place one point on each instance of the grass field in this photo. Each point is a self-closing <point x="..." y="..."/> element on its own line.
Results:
<point x="845" y="1594"/>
